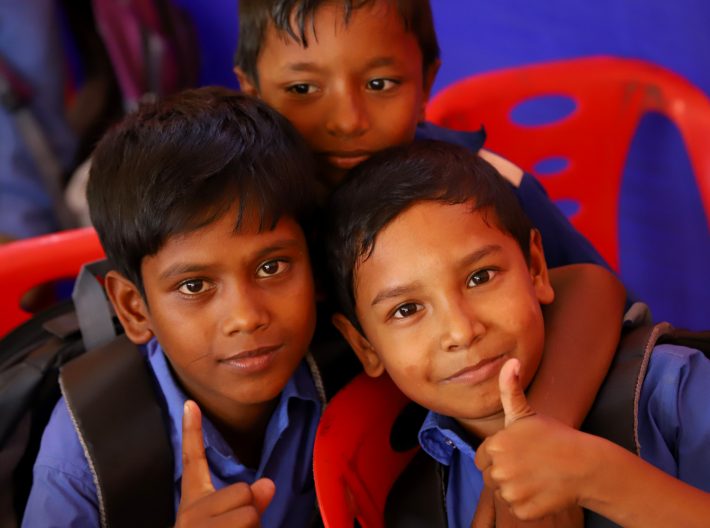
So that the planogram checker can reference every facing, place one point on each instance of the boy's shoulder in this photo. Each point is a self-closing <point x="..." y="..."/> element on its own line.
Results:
<point x="61" y="450"/>
<point x="108" y="428"/>
<point x="472" y="140"/>
<point x="655" y="368"/>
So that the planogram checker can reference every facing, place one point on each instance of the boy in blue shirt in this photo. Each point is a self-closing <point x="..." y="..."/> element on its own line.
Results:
<point x="354" y="78"/>
<point x="201" y="203"/>
<point x="441" y="278"/>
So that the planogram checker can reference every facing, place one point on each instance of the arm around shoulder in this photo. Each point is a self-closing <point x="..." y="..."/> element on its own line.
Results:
<point x="633" y="493"/>
<point x="582" y="328"/>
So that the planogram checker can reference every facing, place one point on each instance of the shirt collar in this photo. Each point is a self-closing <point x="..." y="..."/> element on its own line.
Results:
<point x="299" y="388"/>
<point x="472" y="140"/>
<point x="440" y="436"/>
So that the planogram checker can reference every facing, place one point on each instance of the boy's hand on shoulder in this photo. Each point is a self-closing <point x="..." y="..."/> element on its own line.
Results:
<point x="237" y="506"/>
<point x="536" y="464"/>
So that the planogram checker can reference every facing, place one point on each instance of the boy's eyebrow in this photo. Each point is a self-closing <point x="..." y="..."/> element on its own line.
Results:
<point x="305" y="66"/>
<point x="403" y="289"/>
<point x="301" y="66"/>
<point x="397" y="291"/>
<point x="378" y="62"/>
<point x="182" y="268"/>
<point x="480" y="253"/>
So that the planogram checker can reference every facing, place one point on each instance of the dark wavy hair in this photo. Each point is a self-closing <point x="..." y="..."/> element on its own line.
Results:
<point x="383" y="187"/>
<point x="292" y="17"/>
<point x="177" y="165"/>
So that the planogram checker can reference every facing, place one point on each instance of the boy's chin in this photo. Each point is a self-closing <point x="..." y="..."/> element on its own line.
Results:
<point x="331" y="176"/>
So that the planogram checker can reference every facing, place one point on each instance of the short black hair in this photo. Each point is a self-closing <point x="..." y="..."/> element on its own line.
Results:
<point x="255" y="16"/>
<point x="176" y="165"/>
<point x="380" y="189"/>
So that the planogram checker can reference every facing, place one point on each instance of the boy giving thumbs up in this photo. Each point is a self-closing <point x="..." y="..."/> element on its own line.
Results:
<point x="441" y="283"/>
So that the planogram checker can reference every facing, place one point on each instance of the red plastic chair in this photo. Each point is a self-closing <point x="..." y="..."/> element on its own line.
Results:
<point x="354" y="464"/>
<point x="611" y="96"/>
<point x="28" y="263"/>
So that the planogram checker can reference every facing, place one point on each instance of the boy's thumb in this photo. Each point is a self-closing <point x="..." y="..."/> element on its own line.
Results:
<point x="515" y="404"/>
<point x="263" y="491"/>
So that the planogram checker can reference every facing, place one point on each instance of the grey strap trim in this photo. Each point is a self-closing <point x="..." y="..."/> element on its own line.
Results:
<point x="87" y="454"/>
<point x="317" y="379"/>
<point x="93" y="310"/>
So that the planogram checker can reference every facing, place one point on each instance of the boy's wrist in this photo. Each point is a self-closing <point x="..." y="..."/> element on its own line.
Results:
<point x="602" y="461"/>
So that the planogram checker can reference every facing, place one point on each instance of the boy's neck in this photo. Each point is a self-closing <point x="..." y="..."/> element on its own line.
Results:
<point x="244" y="430"/>
<point x="484" y="427"/>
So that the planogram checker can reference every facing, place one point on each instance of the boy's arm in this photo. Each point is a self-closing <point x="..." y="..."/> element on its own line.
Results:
<point x="540" y="466"/>
<point x="582" y="328"/>
<point x="238" y="505"/>
<point x="63" y="492"/>
<point x="631" y="492"/>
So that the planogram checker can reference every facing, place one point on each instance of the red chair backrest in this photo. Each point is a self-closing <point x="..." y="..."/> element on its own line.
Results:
<point x="32" y="262"/>
<point x="354" y="463"/>
<point x="610" y="95"/>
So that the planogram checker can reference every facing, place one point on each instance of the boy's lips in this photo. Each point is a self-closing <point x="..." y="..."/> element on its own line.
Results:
<point x="254" y="360"/>
<point x="346" y="159"/>
<point x="481" y="371"/>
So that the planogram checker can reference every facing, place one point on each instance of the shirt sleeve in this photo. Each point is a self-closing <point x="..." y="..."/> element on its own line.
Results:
<point x="674" y="418"/>
<point x="562" y="243"/>
<point x="63" y="492"/>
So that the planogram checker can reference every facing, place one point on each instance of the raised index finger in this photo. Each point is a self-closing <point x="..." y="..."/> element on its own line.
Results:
<point x="196" y="482"/>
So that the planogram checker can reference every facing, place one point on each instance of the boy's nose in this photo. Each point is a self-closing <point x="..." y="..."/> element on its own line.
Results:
<point x="348" y="115"/>
<point x="245" y="314"/>
<point x="460" y="326"/>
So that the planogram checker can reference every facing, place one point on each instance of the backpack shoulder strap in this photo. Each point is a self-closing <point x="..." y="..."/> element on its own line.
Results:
<point x="418" y="496"/>
<point x="614" y="414"/>
<point x="111" y="397"/>
<point x="333" y="364"/>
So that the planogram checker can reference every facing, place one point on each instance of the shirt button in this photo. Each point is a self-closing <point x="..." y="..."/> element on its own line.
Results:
<point x="449" y="442"/>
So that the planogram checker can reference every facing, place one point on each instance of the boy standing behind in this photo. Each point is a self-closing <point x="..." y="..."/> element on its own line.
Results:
<point x="200" y="203"/>
<point x="441" y="279"/>
<point x="354" y="77"/>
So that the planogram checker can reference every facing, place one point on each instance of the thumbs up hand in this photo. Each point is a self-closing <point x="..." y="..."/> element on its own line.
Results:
<point x="512" y="396"/>
<point x="535" y="464"/>
<point x="237" y="506"/>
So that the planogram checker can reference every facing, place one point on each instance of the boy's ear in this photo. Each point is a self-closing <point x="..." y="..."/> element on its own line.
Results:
<point x="538" y="269"/>
<point x="130" y="307"/>
<point x="360" y="345"/>
<point x="429" y="78"/>
<point x="246" y="84"/>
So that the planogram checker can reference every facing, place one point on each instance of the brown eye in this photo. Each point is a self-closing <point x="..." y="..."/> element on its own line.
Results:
<point x="379" y="85"/>
<point x="301" y="88"/>
<point x="272" y="267"/>
<point x="192" y="287"/>
<point x="480" y="277"/>
<point x="406" y="310"/>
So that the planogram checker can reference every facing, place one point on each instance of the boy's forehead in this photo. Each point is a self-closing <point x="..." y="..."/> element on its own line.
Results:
<point x="426" y="227"/>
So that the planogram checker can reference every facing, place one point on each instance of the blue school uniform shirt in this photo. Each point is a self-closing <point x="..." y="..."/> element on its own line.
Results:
<point x="64" y="494"/>
<point x="674" y="430"/>
<point x="562" y="243"/>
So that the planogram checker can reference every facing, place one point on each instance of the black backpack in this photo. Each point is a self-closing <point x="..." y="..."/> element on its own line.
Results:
<point x="110" y="394"/>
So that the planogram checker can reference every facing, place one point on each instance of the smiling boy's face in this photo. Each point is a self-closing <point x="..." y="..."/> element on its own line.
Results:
<point x="356" y="89"/>
<point x="234" y="311"/>
<point x="444" y="300"/>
